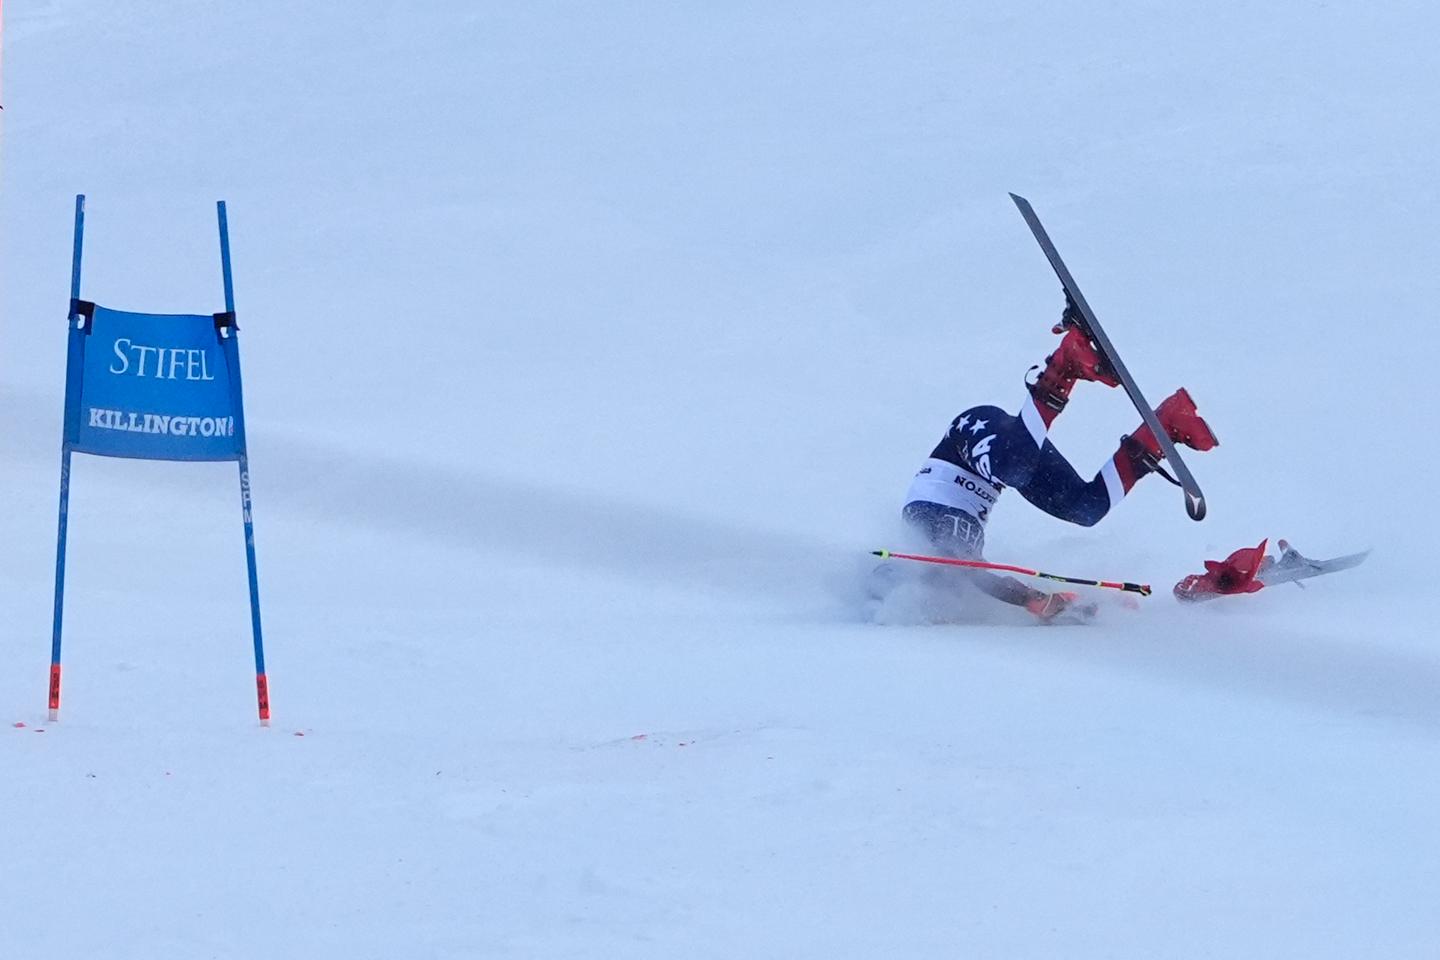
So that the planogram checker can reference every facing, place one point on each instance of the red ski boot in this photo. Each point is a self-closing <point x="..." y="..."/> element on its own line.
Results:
<point x="1235" y="574"/>
<point x="1075" y="359"/>
<point x="1178" y="416"/>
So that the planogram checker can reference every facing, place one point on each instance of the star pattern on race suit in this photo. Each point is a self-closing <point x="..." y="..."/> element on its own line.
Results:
<point x="960" y="423"/>
<point x="979" y="425"/>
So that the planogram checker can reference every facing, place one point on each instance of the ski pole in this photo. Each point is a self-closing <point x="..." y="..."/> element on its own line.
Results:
<point x="1141" y="588"/>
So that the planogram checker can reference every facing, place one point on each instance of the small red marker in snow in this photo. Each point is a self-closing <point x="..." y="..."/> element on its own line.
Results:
<point x="18" y="724"/>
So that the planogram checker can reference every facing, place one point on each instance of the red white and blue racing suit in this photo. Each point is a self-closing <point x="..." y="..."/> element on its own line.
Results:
<point x="986" y="450"/>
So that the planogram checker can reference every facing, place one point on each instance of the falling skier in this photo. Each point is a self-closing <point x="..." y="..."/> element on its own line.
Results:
<point x="987" y="449"/>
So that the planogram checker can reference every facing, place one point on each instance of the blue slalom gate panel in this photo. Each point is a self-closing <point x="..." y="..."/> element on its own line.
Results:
<point x="154" y="387"/>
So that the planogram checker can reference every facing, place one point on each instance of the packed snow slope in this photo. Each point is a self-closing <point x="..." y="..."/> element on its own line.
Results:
<point x="588" y="349"/>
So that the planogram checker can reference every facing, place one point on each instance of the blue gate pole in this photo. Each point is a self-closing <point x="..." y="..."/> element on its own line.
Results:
<point x="237" y="403"/>
<point x="71" y="371"/>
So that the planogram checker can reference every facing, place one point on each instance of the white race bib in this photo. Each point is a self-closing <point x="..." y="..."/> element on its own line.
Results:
<point x="951" y="486"/>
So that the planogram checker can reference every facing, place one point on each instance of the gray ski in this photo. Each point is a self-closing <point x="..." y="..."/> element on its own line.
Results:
<point x="1194" y="499"/>
<point x="1293" y="566"/>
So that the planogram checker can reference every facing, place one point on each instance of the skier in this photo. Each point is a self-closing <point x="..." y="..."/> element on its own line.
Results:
<point x="987" y="449"/>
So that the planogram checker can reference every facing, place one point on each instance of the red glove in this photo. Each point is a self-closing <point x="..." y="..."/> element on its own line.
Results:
<point x="1047" y="606"/>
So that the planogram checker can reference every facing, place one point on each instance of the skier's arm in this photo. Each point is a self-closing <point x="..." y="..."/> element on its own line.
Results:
<point x="1006" y="589"/>
<point x="1009" y="590"/>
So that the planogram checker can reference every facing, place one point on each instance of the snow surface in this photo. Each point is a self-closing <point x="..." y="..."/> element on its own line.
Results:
<point x="588" y="348"/>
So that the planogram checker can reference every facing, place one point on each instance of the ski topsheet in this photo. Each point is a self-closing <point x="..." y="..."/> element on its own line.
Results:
<point x="1194" y="499"/>
<point x="1293" y="566"/>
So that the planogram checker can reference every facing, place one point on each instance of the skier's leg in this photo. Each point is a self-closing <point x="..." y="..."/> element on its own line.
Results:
<point x="951" y="531"/>
<point x="1057" y="489"/>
